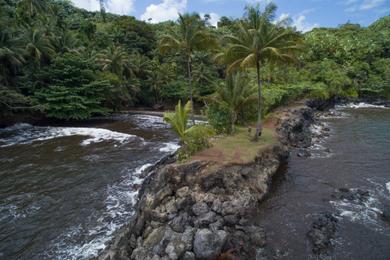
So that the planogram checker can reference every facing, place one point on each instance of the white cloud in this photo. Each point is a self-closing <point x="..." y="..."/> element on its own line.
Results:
<point x="356" y="5"/>
<point x="166" y="10"/>
<point x="299" y="21"/>
<point x="90" y="5"/>
<point x="302" y="25"/>
<point x="214" y="18"/>
<point x="370" y="4"/>
<point x="282" y="17"/>
<point x="112" y="6"/>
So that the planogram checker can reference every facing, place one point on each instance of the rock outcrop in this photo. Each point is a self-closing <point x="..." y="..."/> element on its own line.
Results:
<point x="205" y="210"/>
<point x="199" y="210"/>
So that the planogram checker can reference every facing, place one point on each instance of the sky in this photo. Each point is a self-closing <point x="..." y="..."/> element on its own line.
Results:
<point x="305" y="14"/>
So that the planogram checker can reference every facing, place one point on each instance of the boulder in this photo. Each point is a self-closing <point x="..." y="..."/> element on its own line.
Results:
<point x="208" y="244"/>
<point x="386" y="213"/>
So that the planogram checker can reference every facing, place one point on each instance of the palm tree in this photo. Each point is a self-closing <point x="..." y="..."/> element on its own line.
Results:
<point x="179" y="119"/>
<point x="141" y="65"/>
<point x="33" y="7"/>
<point x="114" y="59"/>
<point x="159" y="76"/>
<point x="257" y="41"/>
<point x="38" y="45"/>
<point x="66" y="41"/>
<point x="11" y="56"/>
<point x="234" y="95"/>
<point x="191" y="35"/>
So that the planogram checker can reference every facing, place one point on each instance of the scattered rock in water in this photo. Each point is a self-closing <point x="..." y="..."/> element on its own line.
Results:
<point x="322" y="232"/>
<point x="304" y="154"/>
<point x="386" y="213"/>
<point x="356" y="195"/>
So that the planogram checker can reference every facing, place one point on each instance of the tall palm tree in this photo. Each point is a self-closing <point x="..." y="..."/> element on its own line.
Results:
<point x="33" y="7"/>
<point x="38" y="45"/>
<point x="114" y="59"/>
<point x="159" y="76"/>
<point x="141" y="65"/>
<point x="258" y="40"/>
<point x="234" y="95"/>
<point x="189" y="36"/>
<point x="11" y="56"/>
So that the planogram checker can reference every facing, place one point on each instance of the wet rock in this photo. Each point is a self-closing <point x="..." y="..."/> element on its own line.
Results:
<point x="205" y="219"/>
<point x="179" y="223"/>
<point x="256" y="235"/>
<point x="208" y="244"/>
<point x="303" y="153"/>
<point x="183" y="192"/>
<point x="188" y="256"/>
<point x="386" y="213"/>
<point x="231" y="220"/>
<point x="356" y="195"/>
<point x="175" y="249"/>
<point x="322" y="232"/>
<point x="200" y="208"/>
<point x="140" y="253"/>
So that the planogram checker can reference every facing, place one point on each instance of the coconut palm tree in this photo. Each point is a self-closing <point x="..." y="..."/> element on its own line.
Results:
<point x="11" y="56"/>
<point x="38" y="45"/>
<point x="234" y="95"/>
<point x="114" y="59"/>
<point x="33" y="7"/>
<point x="189" y="36"/>
<point x="258" y="40"/>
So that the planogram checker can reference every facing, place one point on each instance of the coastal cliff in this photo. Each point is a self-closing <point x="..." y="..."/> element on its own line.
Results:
<point x="203" y="209"/>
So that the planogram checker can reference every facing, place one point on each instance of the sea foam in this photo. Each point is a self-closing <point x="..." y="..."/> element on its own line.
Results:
<point x="27" y="134"/>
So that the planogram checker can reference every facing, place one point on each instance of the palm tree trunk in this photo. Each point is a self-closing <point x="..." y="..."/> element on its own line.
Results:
<point x="258" y="125"/>
<point x="190" y="88"/>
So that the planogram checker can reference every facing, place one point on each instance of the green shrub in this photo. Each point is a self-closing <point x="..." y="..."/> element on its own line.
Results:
<point x="219" y="118"/>
<point x="196" y="139"/>
<point x="192" y="139"/>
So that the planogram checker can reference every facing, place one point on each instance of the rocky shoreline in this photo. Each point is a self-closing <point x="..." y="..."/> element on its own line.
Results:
<point x="200" y="210"/>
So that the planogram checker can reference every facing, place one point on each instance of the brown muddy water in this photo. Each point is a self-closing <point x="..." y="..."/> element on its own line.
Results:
<point x="355" y="158"/>
<point x="65" y="189"/>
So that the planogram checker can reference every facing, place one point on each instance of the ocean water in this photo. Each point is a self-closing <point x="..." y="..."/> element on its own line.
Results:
<point x="66" y="189"/>
<point x="355" y="155"/>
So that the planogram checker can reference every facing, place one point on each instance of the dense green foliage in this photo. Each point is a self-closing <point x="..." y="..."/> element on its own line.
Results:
<point x="63" y="62"/>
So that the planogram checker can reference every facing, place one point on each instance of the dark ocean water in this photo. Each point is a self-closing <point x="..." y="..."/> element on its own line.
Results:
<point x="64" y="190"/>
<point x="355" y="156"/>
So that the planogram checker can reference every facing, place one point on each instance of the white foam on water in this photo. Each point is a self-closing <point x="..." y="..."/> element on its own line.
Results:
<point x="149" y="121"/>
<point x="169" y="147"/>
<point x="335" y="113"/>
<point x="388" y="186"/>
<point x="364" y="212"/>
<point x="119" y="203"/>
<point x="360" y="105"/>
<point x="27" y="134"/>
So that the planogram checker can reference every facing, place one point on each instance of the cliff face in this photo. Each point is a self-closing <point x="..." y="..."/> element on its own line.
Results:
<point x="201" y="210"/>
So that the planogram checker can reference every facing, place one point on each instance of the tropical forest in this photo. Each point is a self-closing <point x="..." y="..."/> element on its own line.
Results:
<point x="124" y="138"/>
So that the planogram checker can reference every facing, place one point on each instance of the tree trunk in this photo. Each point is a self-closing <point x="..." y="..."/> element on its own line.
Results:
<point x="259" y="127"/>
<point x="190" y="88"/>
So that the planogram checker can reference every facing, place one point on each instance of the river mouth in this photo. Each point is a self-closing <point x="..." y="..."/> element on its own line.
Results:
<point x="327" y="202"/>
<point x="66" y="189"/>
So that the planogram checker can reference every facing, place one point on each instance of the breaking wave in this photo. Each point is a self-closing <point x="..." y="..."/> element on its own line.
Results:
<point x="27" y="134"/>
<point x="360" y="105"/>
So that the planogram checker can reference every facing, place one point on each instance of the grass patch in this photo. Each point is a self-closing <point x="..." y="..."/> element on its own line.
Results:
<point x="238" y="148"/>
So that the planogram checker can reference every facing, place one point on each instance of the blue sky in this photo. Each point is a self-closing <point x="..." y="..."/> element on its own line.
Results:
<point x="305" y="14"/>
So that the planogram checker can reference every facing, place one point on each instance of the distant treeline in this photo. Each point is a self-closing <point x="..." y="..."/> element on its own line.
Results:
<point x="67" y="63"/>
